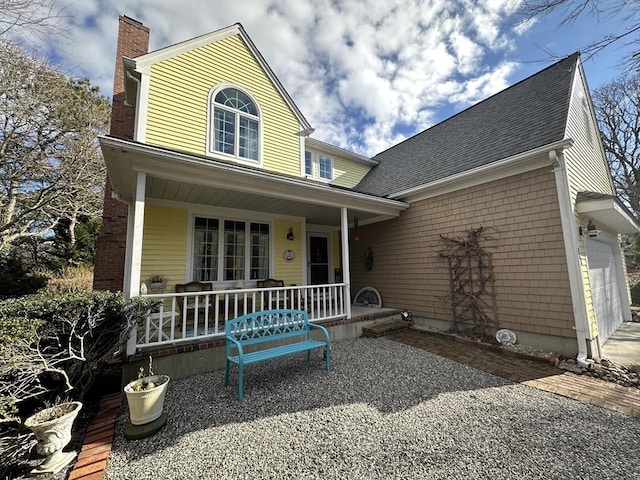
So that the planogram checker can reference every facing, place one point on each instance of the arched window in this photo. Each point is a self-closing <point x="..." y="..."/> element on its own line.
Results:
<point x="235" y="124"/>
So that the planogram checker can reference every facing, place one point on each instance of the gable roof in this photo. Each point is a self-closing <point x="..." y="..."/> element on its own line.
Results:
<point x="143" y="63"/>
<point x="528" y="115"/>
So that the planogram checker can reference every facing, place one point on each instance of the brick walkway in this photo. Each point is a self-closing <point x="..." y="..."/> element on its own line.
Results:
<point x="92" y="459"/>
<point x="534" y="374"/>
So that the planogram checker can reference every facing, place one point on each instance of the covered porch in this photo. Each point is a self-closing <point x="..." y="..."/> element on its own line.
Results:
<point x="192" y="218"/>
<point x="185" y="317"/>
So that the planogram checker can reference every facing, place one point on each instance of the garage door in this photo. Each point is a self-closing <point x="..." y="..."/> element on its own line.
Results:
<point x="605" y="288"/>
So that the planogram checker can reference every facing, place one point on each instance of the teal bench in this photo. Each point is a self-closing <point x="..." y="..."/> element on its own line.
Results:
<point x="255" y="329"/>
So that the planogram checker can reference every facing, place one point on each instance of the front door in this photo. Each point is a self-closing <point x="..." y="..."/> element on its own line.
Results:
<point x="318" y="259"/>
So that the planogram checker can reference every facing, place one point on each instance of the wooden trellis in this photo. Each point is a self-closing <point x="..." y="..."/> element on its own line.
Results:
<point x="473" y="297"/>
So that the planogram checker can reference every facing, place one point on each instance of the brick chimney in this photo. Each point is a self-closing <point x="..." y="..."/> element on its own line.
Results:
<point x="108" y="274"/>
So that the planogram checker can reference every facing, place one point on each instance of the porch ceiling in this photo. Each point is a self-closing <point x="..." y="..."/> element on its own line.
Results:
<point x="196" y="180"/>
<point x="170" y="190"/>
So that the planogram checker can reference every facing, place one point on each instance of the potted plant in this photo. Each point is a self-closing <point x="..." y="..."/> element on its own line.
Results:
<point x="52" y="429"/>
<point x="145" y="396"/>
<point x="157" y="282"/>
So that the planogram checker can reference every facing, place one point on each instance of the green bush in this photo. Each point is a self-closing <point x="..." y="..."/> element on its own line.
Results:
<point x="52" y="344"/>
<point x="17" y="279"/>
<point x="51" y="348"/>
<point x="635" y="294"/>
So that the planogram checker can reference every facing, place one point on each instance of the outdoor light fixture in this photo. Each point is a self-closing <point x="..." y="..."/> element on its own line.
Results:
<point x="589" y="230"/>
<point x="290" y="235"/>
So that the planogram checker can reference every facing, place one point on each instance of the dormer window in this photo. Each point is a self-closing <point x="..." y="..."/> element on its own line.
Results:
<point x="318" y="166"/>
<point x="235" y="124"/>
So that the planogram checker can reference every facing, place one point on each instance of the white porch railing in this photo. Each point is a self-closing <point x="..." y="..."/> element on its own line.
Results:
<point x="184" y="317"/>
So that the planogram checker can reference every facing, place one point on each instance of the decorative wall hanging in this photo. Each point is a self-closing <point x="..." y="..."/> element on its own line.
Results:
<point x="289" y="256"/>
<point x="368" y="258"/>
<point x="355" y="228"/>
<point x="368" y="297"/>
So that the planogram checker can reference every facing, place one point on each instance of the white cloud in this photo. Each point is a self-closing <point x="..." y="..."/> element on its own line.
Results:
<point x="360" y="71"/>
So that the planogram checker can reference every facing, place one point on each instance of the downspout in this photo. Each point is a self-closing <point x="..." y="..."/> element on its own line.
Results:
<point x="135" y="116"/>
<point x="137" y="80"/>
<point x="574" y="267"/>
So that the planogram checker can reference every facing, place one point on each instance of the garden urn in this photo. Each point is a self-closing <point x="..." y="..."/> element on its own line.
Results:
<point x="52" y="428"/>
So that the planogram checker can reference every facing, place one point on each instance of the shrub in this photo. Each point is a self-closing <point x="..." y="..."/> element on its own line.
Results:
<point x="71" y="279"/>
<point x="16" y="279"/>
<point x="53" y="343"/>
<point x="635" y="294"/>
<point x="51" y="348"/>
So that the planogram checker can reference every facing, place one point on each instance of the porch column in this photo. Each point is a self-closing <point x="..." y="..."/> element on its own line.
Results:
<point x="134" y="262"/>
<point x="346" y="273"/>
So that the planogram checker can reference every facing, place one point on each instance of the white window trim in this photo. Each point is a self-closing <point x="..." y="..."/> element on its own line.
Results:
<point x="209" y="143"/>
<point x="221" y="219"/>
<point x="315" y="166"/>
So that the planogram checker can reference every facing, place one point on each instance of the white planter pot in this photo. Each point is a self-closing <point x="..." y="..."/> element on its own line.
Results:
<point x="145" y="406"/>
<point x="52" y="428"/>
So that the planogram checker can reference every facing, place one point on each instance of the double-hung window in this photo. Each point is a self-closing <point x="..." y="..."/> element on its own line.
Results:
<point x="229" y="250"/>
<point x="318" y="166"/>
<point x="235" y="126"/>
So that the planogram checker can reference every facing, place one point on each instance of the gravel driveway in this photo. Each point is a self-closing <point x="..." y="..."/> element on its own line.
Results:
<point x="386" y="411"/>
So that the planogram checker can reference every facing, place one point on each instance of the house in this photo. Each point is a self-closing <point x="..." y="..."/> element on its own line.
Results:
<point x="214" y="177"/>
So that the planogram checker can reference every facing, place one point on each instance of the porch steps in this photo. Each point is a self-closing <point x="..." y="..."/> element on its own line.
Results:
<point x="385" y="326"/>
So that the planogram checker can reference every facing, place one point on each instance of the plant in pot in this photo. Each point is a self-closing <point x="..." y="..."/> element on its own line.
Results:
<point x="52" y="429"/>
<point x="145" y="398"/>
<point x="157" y="282"/>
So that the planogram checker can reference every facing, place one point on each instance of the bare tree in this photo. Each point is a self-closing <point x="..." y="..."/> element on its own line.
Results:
<point x="617" y="106"/>
<point x="84" y="167"/>
<point x="49" y="163"/>
<point x="624" y="12"/>
<point x="25" y="18"/>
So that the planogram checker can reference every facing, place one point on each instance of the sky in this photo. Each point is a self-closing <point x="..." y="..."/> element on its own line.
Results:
<point x="366" y="74"/>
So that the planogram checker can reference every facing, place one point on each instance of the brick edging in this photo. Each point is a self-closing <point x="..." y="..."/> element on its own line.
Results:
<point x="551" y="360"/>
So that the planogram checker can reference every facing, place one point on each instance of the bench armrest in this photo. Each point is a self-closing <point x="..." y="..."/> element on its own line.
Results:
<point x="237" y="345"/>
<point x="322" y="329"/>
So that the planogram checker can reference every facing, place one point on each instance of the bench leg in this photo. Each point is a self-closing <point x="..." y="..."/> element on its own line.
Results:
<point x="226" y="374"/>
<point x="327" y="358"/>
<point x="308" y="356"/>
<point x="240" y="380"/>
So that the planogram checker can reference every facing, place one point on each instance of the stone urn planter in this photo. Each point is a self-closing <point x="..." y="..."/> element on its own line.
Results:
<point x="145" y="398"/>
<point x="52" y="428"/>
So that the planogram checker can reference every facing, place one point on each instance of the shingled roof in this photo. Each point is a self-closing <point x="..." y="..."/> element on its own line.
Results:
<point x="530" y="114"/>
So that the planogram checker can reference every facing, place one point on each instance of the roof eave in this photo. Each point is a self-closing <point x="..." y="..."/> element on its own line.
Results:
<point x="506" y="167"/>
<point x="172" y="165"/>
<point x="341" y="152"/>
<point x="609" y="214"/>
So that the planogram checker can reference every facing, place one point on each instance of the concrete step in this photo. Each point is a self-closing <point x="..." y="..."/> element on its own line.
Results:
<point x="385" y="326"/>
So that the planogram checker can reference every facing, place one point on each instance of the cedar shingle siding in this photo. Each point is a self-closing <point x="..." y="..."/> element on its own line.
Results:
<point x="522" y="218"/>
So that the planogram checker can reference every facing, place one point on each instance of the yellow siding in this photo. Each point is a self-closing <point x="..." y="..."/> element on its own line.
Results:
<point x="348" y="174"/>
<point x="179" y="95"/>
<point x="587" y="170"/>
<point x="290" y="272"/>
<point x="586" y="165"/>
<point x="164" y="244"/>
